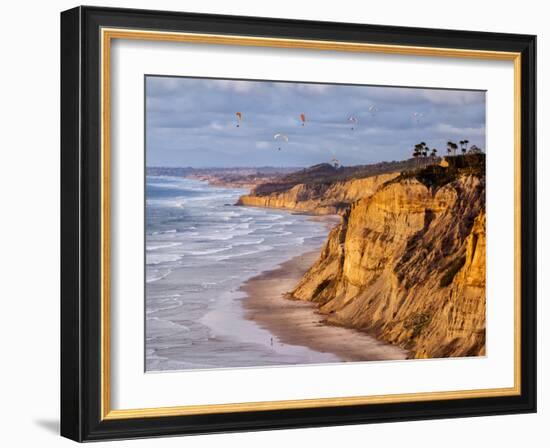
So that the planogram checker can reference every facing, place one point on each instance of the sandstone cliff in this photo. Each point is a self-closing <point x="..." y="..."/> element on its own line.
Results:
<point x="406" y="264"/>
<point x="319" y="198"/>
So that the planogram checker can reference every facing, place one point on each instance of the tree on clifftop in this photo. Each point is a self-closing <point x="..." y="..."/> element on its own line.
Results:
<point x="451" y="148"/>
<point x="416" y="152"/>
<point x="421" y="150"/>
<point x="464" y="145"/>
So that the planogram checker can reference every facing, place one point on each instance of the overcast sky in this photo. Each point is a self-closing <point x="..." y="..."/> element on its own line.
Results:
<point x="192" y="122"/>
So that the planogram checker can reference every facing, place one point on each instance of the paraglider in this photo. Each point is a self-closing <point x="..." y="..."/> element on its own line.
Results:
<point x="353" y="120"/>
<point x="417" y="116"/>
<point x="373" y="109"/>
<point x="303" y="119"/>
<point x="335" y="162"/>
<point x="280" y="138"/>
<point x="239" y="118"/>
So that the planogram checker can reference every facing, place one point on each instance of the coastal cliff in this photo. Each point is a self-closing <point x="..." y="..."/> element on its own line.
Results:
<point x="407" y="265"/>
<point x="319" y="198"/>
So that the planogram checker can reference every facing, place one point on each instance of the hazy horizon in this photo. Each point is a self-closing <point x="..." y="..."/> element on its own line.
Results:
<point x="192" y="122"/>
<point x="258" y="167"/>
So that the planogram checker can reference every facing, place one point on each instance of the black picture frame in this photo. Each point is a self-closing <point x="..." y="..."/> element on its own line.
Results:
<point x="81" y="224"/>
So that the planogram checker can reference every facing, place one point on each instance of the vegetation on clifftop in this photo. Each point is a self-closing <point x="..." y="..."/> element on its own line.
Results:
<point x="435" y="176"/>
<point x="325" y="174"/>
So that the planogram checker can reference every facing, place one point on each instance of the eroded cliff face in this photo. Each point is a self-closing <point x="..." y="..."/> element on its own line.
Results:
<point x="322" y="199"/>
<point x="407" y="264"/>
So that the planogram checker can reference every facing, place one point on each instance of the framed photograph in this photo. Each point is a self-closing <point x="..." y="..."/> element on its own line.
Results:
<point x="274" y="223"/>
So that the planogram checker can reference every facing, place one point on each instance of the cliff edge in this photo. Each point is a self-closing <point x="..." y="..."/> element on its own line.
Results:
<point x="320" y="198"/>
<point x="407" y="265"/>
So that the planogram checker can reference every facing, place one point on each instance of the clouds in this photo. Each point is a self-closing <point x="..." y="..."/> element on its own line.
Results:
<point x="456" y="98"/>
<point x="192" y="122"/>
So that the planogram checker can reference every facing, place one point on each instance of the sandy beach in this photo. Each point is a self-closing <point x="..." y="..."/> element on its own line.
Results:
<point x="298" y="323"/>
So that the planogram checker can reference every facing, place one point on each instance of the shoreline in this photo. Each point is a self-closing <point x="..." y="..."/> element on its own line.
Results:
<point x="195" y="319"/>
<point x="297" y="322"/>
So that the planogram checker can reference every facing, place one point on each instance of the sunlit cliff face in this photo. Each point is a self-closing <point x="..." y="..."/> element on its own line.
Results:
<point x="407" y="262"/>
<point x="408" y="266"/>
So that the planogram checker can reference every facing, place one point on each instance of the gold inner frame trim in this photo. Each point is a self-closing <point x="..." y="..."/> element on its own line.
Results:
<point x="107" y="35"/>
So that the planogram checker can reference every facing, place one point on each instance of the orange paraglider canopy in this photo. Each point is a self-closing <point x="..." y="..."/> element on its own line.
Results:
<point x="303" y="118"/>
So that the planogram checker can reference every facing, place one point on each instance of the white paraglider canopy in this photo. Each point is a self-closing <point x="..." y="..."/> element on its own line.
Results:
<point x="280" y="138"/>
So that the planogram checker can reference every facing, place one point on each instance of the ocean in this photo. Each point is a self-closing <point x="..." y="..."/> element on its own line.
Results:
<point x="200" y="248"/>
